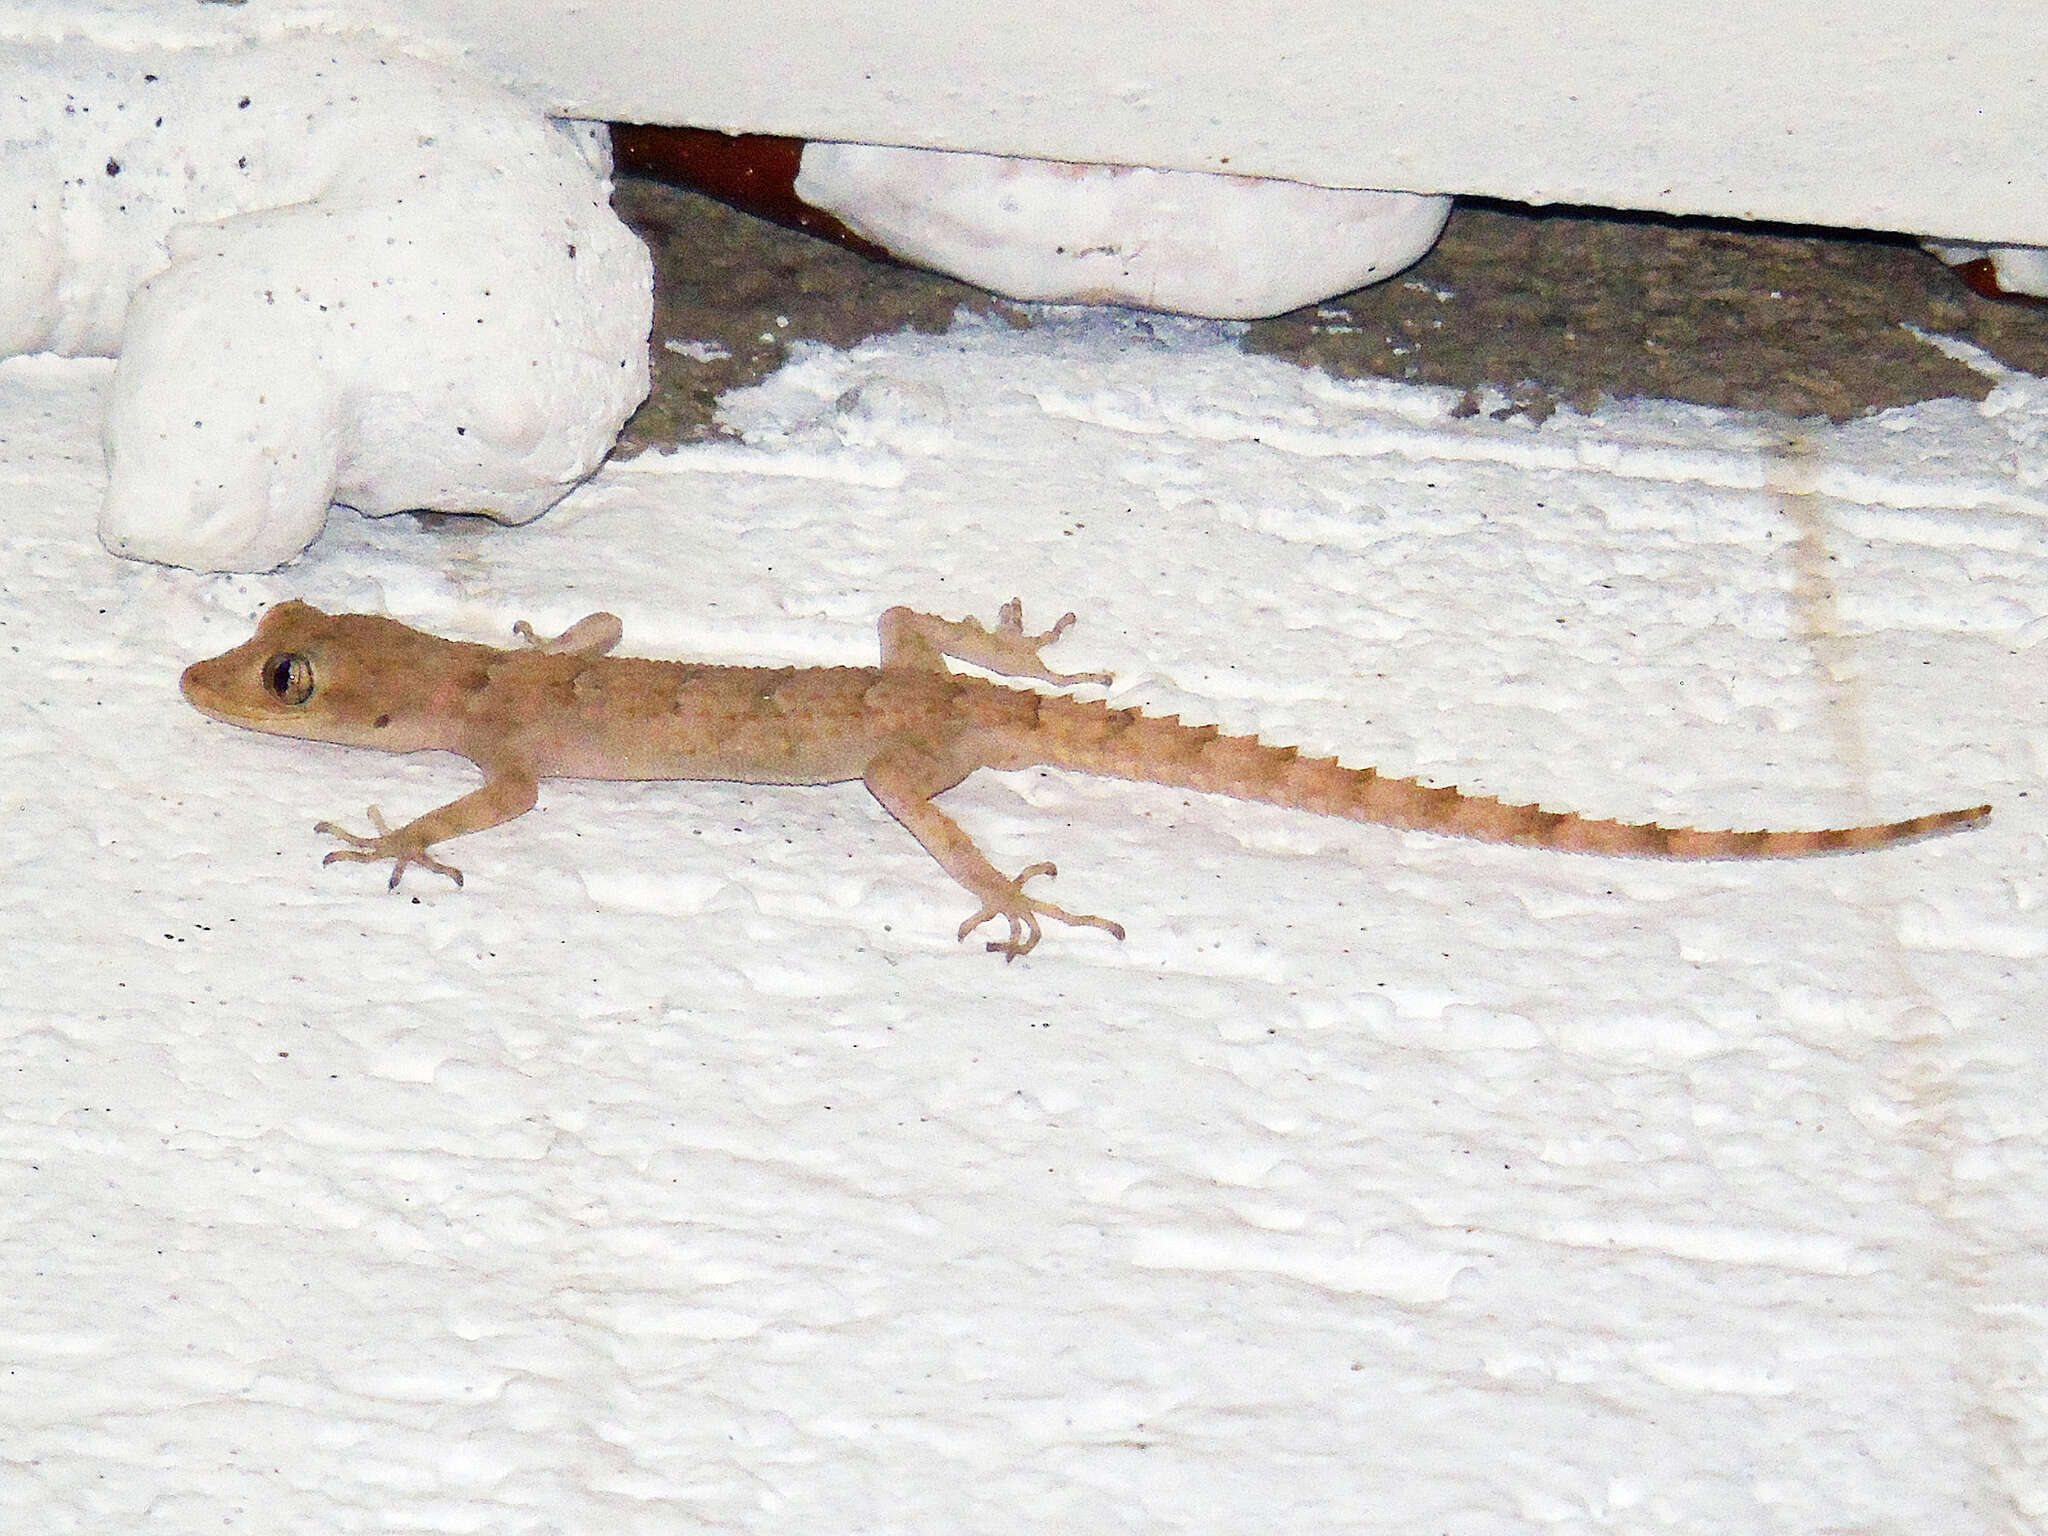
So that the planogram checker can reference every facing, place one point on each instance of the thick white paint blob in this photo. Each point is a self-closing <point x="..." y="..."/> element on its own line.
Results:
<point x="332" y="273"/>
<point x="1227" y="247"/>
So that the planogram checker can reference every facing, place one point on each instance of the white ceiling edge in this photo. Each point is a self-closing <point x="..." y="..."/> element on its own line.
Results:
<point x="1916" y="117"/>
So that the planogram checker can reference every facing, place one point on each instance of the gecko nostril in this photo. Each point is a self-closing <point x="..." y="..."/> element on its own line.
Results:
<point x="381" y="721"/>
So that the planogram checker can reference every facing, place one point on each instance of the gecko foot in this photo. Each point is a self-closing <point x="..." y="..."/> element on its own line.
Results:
<point x="1022" y="912"/>
<point x="387" y="844"/>
<point x="1010" y="631"/>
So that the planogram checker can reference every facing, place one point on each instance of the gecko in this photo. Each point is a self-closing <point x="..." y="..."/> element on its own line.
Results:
<point x="909" y="729"/>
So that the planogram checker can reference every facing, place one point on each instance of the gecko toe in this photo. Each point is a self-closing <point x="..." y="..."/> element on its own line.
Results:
<point x="1022" y="913"/>
<point x="1014" y="945"/>
<point x="385" y="844"/>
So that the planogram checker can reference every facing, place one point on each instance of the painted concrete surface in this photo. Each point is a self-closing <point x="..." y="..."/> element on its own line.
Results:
<point x="682" y="1172"/>
<point x="1906" y="115"/>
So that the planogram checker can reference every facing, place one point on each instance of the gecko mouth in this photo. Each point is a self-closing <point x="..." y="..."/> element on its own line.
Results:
<point x="208" y="687"/>
<point x="199" y="691"/>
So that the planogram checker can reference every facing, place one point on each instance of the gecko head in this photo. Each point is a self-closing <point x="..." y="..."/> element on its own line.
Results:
<point x="347" y="678"/>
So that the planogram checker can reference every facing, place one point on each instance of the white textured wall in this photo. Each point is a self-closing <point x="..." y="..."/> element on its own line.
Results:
<point x="1917" y="115"/>
<point x="681" y="1173"/>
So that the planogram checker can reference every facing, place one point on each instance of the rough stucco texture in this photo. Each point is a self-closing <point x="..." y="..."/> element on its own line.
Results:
<point x="681" y="1172"/>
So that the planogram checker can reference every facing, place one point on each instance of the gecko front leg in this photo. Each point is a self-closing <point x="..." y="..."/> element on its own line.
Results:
<point x="387" y="844"/>
<point x="905" y="779"/>
<point x="502" y="797"/>
<point x="595" y="634"/>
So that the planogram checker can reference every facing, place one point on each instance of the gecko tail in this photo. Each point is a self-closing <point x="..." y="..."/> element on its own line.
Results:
<point x="1091" y="737"/>
<point x="1530" y="826"/>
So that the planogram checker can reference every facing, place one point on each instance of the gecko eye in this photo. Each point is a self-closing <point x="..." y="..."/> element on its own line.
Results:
<point x="289" y="677"/>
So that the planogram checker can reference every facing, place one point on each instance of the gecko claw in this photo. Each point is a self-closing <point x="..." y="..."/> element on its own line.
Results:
<point x="1022" y="912"/>
<point x="384" y="845"/>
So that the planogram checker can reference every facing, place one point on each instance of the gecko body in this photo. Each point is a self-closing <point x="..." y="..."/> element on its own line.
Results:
<point x="909" y="729"/>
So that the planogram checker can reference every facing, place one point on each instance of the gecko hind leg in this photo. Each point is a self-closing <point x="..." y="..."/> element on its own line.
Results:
<point x="904" y="779"/>
<point x="1022" y="913"/>
<point x="924" y="641"/>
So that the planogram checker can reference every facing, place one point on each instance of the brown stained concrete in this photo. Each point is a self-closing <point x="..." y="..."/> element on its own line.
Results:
<point x="1541" y="306"/>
